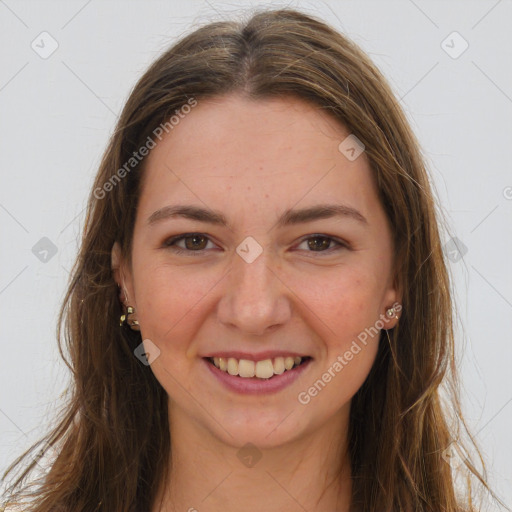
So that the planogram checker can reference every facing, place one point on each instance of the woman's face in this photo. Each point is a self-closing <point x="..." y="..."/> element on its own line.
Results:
<point x="265" y="272"/>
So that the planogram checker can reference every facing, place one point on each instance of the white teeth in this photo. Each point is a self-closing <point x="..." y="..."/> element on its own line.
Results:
<point x="264" y="369"/>
<point x="289" y="362"/>
<point x="232" y="366"/>
<point x="246" y="368"/>
<point x="261" y="369"/>
<point x="279" y="365"/>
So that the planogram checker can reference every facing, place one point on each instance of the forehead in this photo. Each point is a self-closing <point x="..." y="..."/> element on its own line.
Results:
<point x="275" y="152"/>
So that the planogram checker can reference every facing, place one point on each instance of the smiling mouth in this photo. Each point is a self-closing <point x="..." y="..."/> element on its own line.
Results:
<point x="264" y="370"/>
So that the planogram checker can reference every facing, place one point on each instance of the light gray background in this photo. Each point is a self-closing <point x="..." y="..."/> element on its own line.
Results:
<point x="57" y="114"/>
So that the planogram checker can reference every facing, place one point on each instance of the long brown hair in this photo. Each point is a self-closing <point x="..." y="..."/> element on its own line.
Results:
<point x="112" y="438"/>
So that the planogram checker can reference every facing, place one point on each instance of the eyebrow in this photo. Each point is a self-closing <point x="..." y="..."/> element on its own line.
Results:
<point x="288" y="218"/>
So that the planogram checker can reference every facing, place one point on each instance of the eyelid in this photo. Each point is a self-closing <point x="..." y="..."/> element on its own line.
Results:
<point x="171" y="243"/>
<point x="340" y="243"/>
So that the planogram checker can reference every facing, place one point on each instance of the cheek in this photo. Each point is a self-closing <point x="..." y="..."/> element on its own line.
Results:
<point x="171" y="306"/>
<point x="346" y="314"/>
<point x="168" y="301"/>
<point x="348" y="309"/>
<point x="340" y="379"/>
<point x="346" y="300"/>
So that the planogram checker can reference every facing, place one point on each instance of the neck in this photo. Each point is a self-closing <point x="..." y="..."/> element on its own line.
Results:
<point x="206" y="474"/>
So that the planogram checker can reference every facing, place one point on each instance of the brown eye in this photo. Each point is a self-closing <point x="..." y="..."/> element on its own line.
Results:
<point x="322" y="244"/>
<point x="319" y="243"/>
<point x="195" y="242"/>
<point x="188" y="244"/>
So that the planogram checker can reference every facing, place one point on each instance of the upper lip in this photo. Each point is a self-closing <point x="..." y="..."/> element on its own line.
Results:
<point x="261" y="356"/>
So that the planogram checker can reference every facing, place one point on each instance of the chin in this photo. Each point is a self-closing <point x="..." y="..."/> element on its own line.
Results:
<point x="264" y="430"/>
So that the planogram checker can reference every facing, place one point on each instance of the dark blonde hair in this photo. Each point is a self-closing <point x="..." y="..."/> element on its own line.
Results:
<point x="112" y="438"/>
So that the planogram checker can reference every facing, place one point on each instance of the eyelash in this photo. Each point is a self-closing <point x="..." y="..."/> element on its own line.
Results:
<point x="171" y="243"/>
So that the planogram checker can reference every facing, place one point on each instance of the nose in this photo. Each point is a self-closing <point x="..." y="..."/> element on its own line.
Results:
<point x="256" y="300"/>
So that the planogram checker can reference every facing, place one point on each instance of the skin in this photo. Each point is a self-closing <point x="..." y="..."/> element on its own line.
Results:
<point x="252" y="160"/>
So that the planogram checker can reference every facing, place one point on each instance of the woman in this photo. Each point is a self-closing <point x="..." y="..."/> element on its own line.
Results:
<point x="260" y="315"/>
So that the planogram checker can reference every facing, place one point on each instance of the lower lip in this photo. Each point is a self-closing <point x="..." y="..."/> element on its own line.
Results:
<point x="255" y="385"/>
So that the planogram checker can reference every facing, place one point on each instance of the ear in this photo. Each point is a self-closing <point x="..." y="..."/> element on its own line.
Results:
<point x="122" y="275"/>
<point x="393" y="299"/>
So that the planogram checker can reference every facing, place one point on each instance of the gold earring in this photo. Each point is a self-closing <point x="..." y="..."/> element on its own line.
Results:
<point x="392" y="312"/>
<point x="124" y="320"/>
